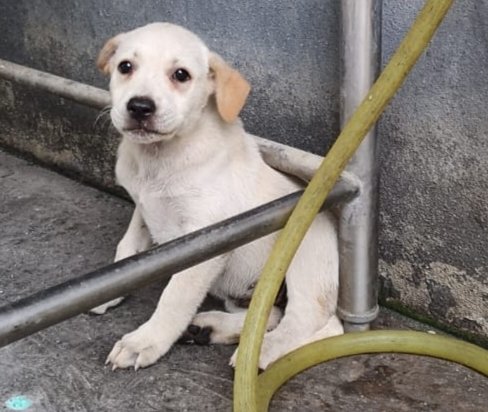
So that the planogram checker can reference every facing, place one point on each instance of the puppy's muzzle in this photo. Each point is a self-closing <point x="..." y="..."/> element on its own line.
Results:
<point x="141" y="108"/>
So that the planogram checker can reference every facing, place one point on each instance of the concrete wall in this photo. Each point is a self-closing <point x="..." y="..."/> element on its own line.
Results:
<point x="434" y="183"/>
<point x="275" y="45"/>
<point x="434" y="193"/>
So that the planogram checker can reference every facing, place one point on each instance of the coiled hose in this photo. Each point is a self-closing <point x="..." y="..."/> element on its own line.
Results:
<point x="252" y="393"/>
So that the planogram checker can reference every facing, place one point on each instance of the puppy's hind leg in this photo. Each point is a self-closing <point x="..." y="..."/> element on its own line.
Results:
<point x="297" y="328"/>
<point x="312" y="286"/>
<point x="222" y="327"/>
<point x="135" y="240"/>
<point x="332" y="328"/>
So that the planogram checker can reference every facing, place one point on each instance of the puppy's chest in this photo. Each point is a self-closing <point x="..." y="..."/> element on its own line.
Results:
<point x="172" y="203"/>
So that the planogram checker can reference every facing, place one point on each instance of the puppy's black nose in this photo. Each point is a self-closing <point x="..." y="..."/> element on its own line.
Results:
<point x="141" y="108"/>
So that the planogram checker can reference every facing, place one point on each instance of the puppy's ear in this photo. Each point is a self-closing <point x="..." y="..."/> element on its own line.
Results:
<point x="231" y="89"/>
<point x="108" y="50"/>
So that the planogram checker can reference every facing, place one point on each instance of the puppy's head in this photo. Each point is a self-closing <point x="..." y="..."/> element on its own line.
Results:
<point x="162" y="77"/>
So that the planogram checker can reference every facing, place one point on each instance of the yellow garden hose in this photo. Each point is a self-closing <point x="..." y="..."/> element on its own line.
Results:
<point x="400" y="341"/>
<point x="246" y="392"/>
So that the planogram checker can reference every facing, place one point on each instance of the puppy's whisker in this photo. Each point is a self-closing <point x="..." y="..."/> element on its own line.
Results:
<point x="105" y="112"/>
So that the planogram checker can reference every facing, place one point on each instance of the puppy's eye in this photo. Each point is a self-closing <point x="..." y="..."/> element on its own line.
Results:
<point x="181" y="75"/>
<point x="125" y="67"/>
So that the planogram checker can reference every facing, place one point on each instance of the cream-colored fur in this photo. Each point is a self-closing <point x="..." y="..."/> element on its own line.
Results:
<point x="187" y="162"/>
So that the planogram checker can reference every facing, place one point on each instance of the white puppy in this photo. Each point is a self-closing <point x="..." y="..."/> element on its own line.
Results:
<point x="187" y="162"/>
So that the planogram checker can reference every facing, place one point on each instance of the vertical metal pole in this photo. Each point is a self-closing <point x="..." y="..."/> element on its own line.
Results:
<point x="361" y="48"/>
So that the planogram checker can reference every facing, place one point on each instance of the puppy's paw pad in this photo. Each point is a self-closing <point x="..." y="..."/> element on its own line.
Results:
<point x="197" y="334"/>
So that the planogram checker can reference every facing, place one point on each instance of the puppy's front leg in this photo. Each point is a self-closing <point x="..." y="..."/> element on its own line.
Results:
<point x="136" y="239"/>
<point x="176" y="308"/>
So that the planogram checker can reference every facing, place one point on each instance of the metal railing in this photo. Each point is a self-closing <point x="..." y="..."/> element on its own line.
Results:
<point x="53" y="305"/>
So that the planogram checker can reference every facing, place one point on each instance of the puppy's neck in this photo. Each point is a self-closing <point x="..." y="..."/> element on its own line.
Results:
<point x="197" y="142"/>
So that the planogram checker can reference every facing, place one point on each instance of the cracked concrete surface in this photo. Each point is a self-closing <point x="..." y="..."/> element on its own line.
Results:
<point x="447" y="291"/>
<point x="53" y="228"/>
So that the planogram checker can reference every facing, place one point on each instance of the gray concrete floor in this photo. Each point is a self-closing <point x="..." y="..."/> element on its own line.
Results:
<point x="53" y="229"/>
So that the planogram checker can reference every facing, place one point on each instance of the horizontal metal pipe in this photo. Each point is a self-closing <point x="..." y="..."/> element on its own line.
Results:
<point x="282" y="157"/>
<point x="69" y="89"/>
<point x="289" y="159"/>
<point x="53" y="305"/>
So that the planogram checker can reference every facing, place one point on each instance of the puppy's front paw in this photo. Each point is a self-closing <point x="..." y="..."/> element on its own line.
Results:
<point x="139" y="349"/>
